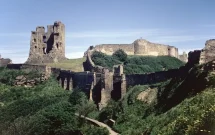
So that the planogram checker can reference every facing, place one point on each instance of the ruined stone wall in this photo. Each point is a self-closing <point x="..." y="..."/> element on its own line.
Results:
<point x="101" y="87"/>
<point x="207" y="53"/>
<point x="45" y="70"/>
<point x="39" y="68"/>
<point x="194" y="57"/>
<point x="47" y="47"/>
<point x="111" y="48"/>
<point x="4" y="62"/>
<point x="143" y="79"/>
<point x="183" y="57"/>
<point x="144" y="47"/>
<point x="14" y="66"/>
<point x="138" y="47"/>
<point x="88" y="64"/>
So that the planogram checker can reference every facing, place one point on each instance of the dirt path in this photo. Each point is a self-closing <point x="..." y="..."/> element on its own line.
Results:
<point x="100" y="124"/>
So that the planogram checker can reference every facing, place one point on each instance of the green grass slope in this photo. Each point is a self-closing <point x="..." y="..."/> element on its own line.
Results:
<point x="70" y="64"/>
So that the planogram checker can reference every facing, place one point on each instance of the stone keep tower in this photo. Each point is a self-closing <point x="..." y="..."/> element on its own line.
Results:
<point x="144" y="47"/>
<point x="47" y="47"/>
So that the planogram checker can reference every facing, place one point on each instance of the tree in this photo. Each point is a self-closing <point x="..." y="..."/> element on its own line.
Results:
<point x="120" y="55"/>
<point x="77" y="97"/>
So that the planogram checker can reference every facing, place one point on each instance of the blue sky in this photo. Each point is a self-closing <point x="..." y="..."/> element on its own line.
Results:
<point x="186" y="24"/>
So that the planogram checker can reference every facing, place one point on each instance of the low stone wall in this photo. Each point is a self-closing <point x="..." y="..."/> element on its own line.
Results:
<point x="46" y="70"/>
<point x="23" y="80"/>
<point x="14" y="66"/>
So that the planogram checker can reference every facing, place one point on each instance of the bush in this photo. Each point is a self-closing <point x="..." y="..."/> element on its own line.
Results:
<point x="96" y="131"/>
<point x="8" y="76"/>
<point x="120" y="55"/>
<point x="77" y="97"/>
<point x="185" y="106"/>
<point x="57" y="119"/>
<point x="104" y="60"/>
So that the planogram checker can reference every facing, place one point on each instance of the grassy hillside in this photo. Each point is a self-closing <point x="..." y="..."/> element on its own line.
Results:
<point x="182" y="106"/>
<point x="71" y="64"/>
<point x="137" y="64"/>
<point x="45" y="109"/>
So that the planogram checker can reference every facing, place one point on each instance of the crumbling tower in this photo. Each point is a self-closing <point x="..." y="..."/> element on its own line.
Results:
<point x="47" y="47"/>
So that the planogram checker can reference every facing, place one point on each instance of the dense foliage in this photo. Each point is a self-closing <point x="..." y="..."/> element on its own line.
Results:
<point x="120" y="55"/>
<point x="183" y="106"/>
<point x="45" y="109"/>
<point x="136" y="64"/>
<point x="104" y="60"/>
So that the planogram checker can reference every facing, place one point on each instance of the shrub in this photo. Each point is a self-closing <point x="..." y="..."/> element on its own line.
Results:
<point x="57" y="119"/>
<point x="77" y="97"/>
<point x="104" y="60"/>
<point x="185" y="106"/>
<point x="96" y="131"/>
<point x="120" y="55"/>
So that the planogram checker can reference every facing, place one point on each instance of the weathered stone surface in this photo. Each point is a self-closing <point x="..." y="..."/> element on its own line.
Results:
<point x="183" y="57"/>
<point x="138" y="47"/>
<point x="144" y="47"/>
<point x="194" y="57"/>
<point x="47" y="47"/>
<point x="207" y="54"/>
<point x="148" y="96"/>
<point x="20" y="77"/>
<point x="4" y="62"/>
<point x="23" y="81"/>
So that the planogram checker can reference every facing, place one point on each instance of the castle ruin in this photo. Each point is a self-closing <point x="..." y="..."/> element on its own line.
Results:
<point x="207" y="53"/>
<point x="4" y="61"/>
<point x="47" y="47"/>
<point x="140" y="47"/>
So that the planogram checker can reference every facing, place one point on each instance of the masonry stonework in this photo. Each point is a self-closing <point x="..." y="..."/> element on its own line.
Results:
<point x="144" y="47"/>
<point x="4" y="62"/>
<point x="207" y="53"/>
<point x="47" y="47"/>
<point x="139" y="47"/>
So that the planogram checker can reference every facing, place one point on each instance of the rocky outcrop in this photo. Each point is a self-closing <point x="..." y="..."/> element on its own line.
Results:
<point x="24" y="80"/>
<point x="148" y="96"/>
<point x="207" y="53"/>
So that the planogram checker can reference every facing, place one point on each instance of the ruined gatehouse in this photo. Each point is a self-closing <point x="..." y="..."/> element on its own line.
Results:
<point x="47" y="47"/>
